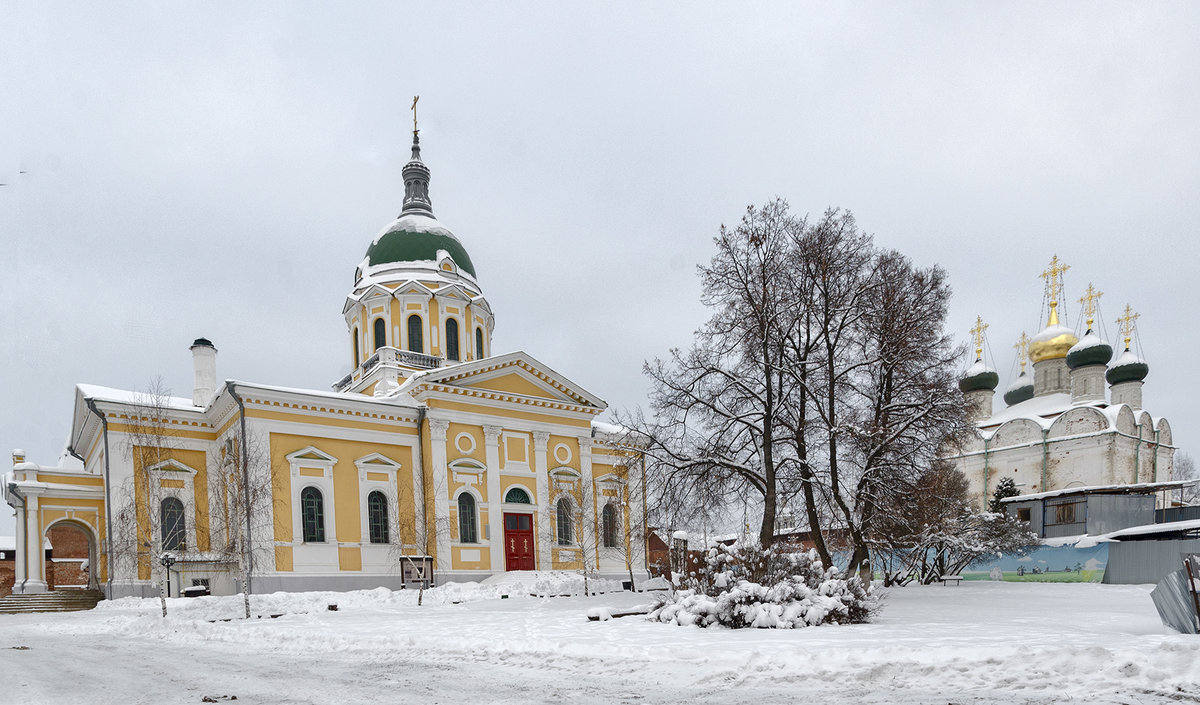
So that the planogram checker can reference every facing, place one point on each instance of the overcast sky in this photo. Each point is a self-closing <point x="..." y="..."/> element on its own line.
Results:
<point x="174" y="171"/>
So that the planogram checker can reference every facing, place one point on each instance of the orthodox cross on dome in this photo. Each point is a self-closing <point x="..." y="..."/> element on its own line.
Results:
<point x="414" y="111"/>
<point x="977" y="336"/>
<point x="1022" y="347"/>
<point x="1054" y="286"/>
<point x="1089" y="303"/>
<point x="1126" y="323"/>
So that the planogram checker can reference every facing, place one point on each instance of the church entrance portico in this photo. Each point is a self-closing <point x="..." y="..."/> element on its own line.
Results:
<point x="518" y="542"/>
<point x="72" y="561"/>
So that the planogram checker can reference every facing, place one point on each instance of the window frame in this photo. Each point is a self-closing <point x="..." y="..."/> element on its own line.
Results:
<point x="307" y="492"/>
<point x="179" y="531"/>
<point x="479" y="343"/>
<point x="471" y="516"/>
<point x="564" y="529"/>
<point x="609" y="522"/>
<point x="453" y="349"/>
<point x="416" y="332"/>
<point x="378" y="518"/>
<point x="379" y="327"/>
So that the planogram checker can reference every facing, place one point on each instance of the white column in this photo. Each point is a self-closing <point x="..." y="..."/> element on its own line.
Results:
<point x="19" y="570"/>
<point x="35" y="580"/>
<point x="491" y="444"/>
<point x="590" y="541"/>
<point x="541" y="471"/>
<point x="441" y="491"/>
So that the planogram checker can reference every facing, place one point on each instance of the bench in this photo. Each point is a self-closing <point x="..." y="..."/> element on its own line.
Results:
<point x="947" y="579"/>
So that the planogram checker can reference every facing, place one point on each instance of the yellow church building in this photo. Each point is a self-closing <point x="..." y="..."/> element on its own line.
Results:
<point x="434" y="452"/>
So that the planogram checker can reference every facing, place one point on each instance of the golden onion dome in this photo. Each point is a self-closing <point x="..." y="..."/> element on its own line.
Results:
<point x="1053" y="342"/>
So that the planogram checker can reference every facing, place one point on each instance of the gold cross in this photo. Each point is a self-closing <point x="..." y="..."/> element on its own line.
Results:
<point x="1089" y="303"/>
<point x="1053" y="277"/>
<point x="977" y="335"/>
<point x="1126" y="324"/>
<point x="414" y="109"/>
<point x="1022" y="347"/>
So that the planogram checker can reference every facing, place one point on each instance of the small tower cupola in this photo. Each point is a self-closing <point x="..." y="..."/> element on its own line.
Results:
<point x="416" y="177"/>
<point x="1127" y="373"/>
<point x="1048" y="349"/>
<point x="1021" y="388"/>
<point x="978" y="385"/>
<point x="1087" y="358"/>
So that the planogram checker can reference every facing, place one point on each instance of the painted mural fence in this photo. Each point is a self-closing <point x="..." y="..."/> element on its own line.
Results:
<point x="1044" y="564"/>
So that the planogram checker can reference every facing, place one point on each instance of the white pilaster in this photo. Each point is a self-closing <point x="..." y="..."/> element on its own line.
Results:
<point x="491" y="444"/>
<point x="20" y="569"/>
<point x="541" y="469"/>
<point x="35" y="580"/>
<point x="441" y="490"/>
<point x="590" y="540"/>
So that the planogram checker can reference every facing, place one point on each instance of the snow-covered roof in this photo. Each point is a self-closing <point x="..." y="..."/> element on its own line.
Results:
<point x="124" y="396"/>
<point x="1170" y="527"/>
<point x="1139" y="488"/>
<point x="391" y="400"/>
<point x="1045" y="409"/>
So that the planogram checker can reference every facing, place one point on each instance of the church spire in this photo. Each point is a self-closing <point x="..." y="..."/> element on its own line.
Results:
<point x="416" y="176"/>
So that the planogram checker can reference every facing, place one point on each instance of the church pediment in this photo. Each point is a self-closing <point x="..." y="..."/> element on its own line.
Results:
<point x="512" y="377"/>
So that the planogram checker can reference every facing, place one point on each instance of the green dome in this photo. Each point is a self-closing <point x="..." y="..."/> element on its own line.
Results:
<point x="1128" y="368"/>
<point x="417" y="238"/>
<point x="979" y="377"/>
<point x="1020" y="390"/>
<point x="1092" y="350"/>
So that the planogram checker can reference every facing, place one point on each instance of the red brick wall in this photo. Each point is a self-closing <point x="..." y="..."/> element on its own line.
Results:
<point x="8" y="572"/>
<point x="66" y="542"/>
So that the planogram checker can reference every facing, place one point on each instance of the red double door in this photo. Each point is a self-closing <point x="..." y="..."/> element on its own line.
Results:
<point x="518" y="542"/>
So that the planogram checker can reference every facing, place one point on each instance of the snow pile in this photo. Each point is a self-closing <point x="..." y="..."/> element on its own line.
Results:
<point x="745" y="586"/>
<point x="548" y="583"/>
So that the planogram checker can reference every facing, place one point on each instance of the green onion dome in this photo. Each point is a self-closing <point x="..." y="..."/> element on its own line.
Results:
<point x="1090" y="350"/>
<point x="979" y="377"/>
<point x="1128" y="368"/>
<point x="417" y="238"/>
<point x="1020" y="390"/>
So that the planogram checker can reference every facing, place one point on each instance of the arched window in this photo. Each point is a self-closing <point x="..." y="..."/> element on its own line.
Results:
<point x="466" y="519"/>
<point x="377" y="517"/>
<point x="380" y="333"/>
<point x="517" y="496"/>
<point x="312" y="515"/>
<point x="415" y="343"/>
<point x="478" y="343"/>
<point x="356" y="347"/>
<point x="608" y="520"/>
<point x="451" y="339"/>
<point x="564" y="522"/>
<point x="174" y="528"/>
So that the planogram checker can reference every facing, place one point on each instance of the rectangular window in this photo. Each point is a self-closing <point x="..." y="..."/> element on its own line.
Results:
<point x="1065" y="513"/>
<point x="1023" y="515"/>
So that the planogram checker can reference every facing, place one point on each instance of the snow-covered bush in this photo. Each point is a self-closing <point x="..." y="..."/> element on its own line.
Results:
<point x="745" y="586"/>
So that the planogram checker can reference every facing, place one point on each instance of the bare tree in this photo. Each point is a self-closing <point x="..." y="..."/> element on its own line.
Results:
<point x="151" y="514"/>
<point x="417" y="532"/>
<point x="1184" y="468"/>
<point x="824" y="377"/>
<point x="242" y="486"/>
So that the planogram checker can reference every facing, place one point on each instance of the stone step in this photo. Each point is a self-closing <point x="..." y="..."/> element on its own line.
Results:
<point x="69" y="600"/>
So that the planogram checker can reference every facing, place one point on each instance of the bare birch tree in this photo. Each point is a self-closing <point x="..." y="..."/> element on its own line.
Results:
<point x="242" y="482"/>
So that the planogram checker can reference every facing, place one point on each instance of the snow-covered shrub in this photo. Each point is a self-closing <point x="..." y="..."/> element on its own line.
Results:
<point x="745" y="586"/>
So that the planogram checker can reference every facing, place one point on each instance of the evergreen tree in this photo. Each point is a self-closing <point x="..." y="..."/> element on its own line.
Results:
<point x="1005" y="488"/>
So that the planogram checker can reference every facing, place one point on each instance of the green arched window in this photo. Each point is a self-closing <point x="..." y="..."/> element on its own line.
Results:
<point x="312" y="515"/>
<point x="478" y="343"/>
<point x="451" y="339"/>
<point x="172" y="522"/>
<point x="466" y="519"/>
<point x="377" y="517"/>
<point x="415" y="341"/>
<point x="564" y="522"/>
<point x="380" y="333"/>
<point x="609" y="526"/>
<point x="517" y="495"/>
<point x="356" y="347"/>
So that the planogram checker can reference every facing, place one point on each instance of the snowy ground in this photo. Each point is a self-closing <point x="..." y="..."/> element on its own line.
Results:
<point x="975" y="643"/>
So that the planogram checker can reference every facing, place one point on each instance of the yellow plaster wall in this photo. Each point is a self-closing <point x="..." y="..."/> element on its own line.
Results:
<point x="283" y="558"/>
<point x="349" y="558"/>
<point x="512" y="383"/>
<point x="476" y="433"/>
<point x="345" y="500"/>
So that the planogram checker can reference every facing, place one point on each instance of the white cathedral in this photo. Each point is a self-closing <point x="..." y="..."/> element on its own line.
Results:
<point x="1063" y="428"/>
